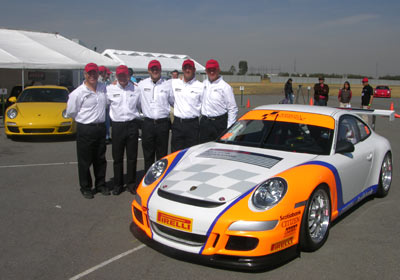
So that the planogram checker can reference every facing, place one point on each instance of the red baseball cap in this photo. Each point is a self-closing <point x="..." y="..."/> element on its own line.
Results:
<point x="188" y="62"/>
<point x="212" y="63"/>
<point x="90" y="67"/>
<point x="155" y="63"/>
<point x="102" y="69"/>
<point x="108" y="70"/>
<point x="365" y="80"/>
<point x="122" y="69"/>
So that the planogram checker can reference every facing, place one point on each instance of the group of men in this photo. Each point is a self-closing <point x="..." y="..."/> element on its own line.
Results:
<point x="202" y="111"/>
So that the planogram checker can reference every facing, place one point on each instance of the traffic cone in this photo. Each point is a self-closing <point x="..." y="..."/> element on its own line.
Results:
<point x="391" y="106"/>
<point x="311" y="101"/>
<point x="248" y="103"/>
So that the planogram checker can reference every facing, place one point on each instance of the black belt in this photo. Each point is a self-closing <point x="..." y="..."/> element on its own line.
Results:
<point x="93" y="124"/>
<point x="156" y="121"/>
<point x="185" y="120"/>
<point x="214" y="118"/>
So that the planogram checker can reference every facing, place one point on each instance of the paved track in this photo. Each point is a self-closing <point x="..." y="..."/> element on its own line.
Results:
<point x="48" y="231"/>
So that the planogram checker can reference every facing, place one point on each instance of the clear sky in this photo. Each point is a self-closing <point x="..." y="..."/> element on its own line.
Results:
<point x="329" y="36"/>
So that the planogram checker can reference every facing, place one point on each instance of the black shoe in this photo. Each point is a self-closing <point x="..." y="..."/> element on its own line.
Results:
<point x="117" y="190"/>
<point x="104" y="191"/>
<point x="108" y="141"/>
<point x="87" y="194"/>
<point x="131" y="188"/>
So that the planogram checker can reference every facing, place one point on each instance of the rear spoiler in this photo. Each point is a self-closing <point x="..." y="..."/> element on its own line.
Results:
<point x="374" y="112"/>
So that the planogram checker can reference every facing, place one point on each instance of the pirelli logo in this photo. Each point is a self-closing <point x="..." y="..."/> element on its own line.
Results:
<point x="173" y="221"/>
<point x="282" y="244"/>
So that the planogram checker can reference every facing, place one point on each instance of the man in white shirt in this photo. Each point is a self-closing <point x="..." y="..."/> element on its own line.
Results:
<point x="87" y="106"/>
<point x="219" y="109"/>
<point x="123" y="98"/>
<point x="188" y="95"/>
<point x="156" y="97"/>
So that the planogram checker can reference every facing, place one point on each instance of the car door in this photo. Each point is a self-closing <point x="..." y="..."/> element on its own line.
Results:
<point x="353" y="168"/>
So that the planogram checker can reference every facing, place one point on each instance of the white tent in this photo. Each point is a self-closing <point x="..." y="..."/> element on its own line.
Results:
<point x="37" y="50"/>
<point x="139" y="61"/>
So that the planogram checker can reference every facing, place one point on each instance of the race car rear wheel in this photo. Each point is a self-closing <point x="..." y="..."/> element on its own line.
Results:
<point x="385" y="177"/>
<point x="316" y="220"/>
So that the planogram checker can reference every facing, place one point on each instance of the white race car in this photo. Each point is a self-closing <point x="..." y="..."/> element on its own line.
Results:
<point x="274" y="180"/>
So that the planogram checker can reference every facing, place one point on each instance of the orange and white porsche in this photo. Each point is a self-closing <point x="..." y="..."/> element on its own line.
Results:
<point x="273" y="182"/>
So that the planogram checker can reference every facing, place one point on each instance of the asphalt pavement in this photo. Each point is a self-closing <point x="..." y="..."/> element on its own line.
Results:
<point x="49" y="231"/>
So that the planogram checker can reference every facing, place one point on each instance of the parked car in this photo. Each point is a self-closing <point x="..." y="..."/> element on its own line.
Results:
<point x="39" y="110"/>
<point x="382" y="91"/>
<point x="273" y="182"/>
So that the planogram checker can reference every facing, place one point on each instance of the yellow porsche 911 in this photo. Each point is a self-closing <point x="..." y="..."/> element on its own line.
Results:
<point x="39" y="110"/>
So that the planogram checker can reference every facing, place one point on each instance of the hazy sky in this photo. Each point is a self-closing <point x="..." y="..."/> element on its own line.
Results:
<point x="361" y="37"/>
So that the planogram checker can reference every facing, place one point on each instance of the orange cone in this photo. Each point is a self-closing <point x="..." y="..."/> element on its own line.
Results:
<point x="311" y="101"/>
<point x="248" y="103"/>
<point x="391" y="107"/>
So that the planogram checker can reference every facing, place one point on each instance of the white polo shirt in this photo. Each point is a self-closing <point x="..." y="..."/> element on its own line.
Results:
<point x="188" y="97"/>
<point x="86" y="106"/>
<point x="124" y="102"/>
<point x="218" y="99"/>
<point x="156" y="98"/>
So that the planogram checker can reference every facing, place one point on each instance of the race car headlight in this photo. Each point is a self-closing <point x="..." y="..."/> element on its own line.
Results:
<point x="155" y="171"/>
<point x="12" y="113"/>
<point x="64" y="114"/>
<point x="269" y="193"/>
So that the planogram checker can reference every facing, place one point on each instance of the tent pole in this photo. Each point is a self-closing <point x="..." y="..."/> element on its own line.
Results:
<point x="23" y="79"/>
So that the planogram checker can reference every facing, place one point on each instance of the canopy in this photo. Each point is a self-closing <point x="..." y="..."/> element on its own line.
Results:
<point x="21" y="49"/>
<point x="139" y="61"/>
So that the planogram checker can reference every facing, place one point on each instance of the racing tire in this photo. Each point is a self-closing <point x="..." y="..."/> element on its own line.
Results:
<point x="316" y="220"/>
<point x="385" y="176"/>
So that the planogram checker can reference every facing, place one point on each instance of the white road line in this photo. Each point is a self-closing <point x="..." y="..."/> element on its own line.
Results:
<point x="47" y="164"/>
<point x="90" y="270"/>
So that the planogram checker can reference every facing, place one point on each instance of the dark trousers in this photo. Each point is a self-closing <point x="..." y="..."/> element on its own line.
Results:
<point x="320" y="102"/>
<point x="185" y="133"/>
<point x="91" y="149"/>
<point x="125" y="138"/>
<point x="212" y="128"/>
<point x="155" y="136"/>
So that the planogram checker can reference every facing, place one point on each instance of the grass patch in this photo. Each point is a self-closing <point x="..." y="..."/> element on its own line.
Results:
<point x="266" y="87"/>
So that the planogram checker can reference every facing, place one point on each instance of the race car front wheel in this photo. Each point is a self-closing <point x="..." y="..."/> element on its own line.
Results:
<point x="316" y="220"/>
<point x="385" y="177"/>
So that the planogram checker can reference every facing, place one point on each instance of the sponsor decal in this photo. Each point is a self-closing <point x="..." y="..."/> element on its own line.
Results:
<point x="291" y="230"/>
<point x="282" y="244"/>
<point x="173" y="221"/>
<point x="178" y="89"/>
<point x="116" y="95"/>
<point x="291" y="116"/>
<point x="147" y="89"/>
<point x="291" y="215"/>
<point x="290" y="222"/>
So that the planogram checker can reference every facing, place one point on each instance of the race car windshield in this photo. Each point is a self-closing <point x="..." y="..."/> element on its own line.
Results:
<point x="43" y="95"/>
<point x="284" y="136"/>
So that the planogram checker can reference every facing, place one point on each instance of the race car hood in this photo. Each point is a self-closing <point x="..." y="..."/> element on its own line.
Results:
<point x="40" y="110"/>
<point x="218" y="172"/>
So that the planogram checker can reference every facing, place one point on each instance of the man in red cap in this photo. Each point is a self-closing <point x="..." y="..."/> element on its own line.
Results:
<point x="188" y="95"/>
<point x="123" y="98"/>
<point x="87" y="106"/>
<point x="102" y="74"/>
<point x="156" y="97"/>
<point x="367" y="95"/>
<point x="219" y="109"/>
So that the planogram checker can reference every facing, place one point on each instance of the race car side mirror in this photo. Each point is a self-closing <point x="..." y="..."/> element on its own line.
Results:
<point x="12" y="99"/>
<point x="344" y="146"/>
